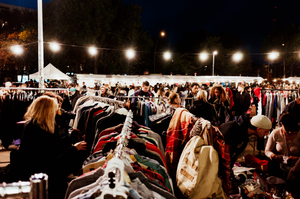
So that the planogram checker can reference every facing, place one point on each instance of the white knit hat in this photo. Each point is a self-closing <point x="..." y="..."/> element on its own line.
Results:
<point x="261" y="121"/>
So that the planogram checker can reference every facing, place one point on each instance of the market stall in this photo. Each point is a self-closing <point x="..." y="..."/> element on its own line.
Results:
<point x="90" y="79"/>
<point x="50" y="72"/>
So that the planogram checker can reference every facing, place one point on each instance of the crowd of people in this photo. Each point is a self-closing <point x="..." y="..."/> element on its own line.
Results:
<point x="232" y="109"/>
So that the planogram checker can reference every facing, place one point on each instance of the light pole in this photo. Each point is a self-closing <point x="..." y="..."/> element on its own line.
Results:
<point x="272" y="56"/>
<point x="161" y="34"/>
<point x="213" y="63"/>
<point x="40" y="44"/>
<point x="203" y="56"/>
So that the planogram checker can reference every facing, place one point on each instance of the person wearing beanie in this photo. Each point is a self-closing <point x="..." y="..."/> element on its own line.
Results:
<point x="75" y="95"/>
<point x="237" y="134"/>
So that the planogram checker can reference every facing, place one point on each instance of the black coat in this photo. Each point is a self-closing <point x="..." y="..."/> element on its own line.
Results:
<point x="204" y="110"/>
<point x="222" y="111"/>
<point x="74" y="98"/>
<point x="40" y="152"/>
<point x="62" y="122"/>
<point x="241" y="103"/>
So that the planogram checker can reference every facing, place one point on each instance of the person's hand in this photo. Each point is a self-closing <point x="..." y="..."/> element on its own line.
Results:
<point x="292" y="160"/>
<point x="59" y="111"/>
<point x="81" y="146"/>
<point x="277" y="158"/>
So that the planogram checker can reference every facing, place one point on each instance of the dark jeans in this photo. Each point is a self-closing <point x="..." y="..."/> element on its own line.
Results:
<point x="293" y="178"/>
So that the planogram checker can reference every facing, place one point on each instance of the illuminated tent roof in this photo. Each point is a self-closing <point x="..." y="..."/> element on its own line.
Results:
<point x="153" y="79"/>
<point x="50" y="72"/>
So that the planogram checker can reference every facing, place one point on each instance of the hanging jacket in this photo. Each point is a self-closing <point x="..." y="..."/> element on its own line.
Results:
<point x="241" y="103"/>
<point x="177" y="135"/>
<point x="74" y="98"/>
<point x="222" y="111"/>
<point x="197" y="171"/>
<point x="204" y="110"/>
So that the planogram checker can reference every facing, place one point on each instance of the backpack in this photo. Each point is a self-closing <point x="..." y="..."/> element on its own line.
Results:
<point x="197" y="171"/>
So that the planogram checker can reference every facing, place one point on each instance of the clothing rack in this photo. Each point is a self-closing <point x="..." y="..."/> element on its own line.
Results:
<point x="261" y="100"/>
<point x="108" y="101"/>
<point x="41" y="89"/>
<point x="115" y="167"/>
<point x="123" y="140"/>
<point x="37" y="187"/>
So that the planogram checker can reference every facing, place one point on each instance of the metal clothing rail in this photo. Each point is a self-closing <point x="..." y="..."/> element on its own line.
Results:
<point x="115" y="167"/>
<point x="41" y="89"/>
<point x="123" y="140"/>
<point x="37" y="187"/>
<point x="112" y="102"/>
<point x="263" y="89"/>
<point x="20" y="88"/>
<point x="124" y="96"/>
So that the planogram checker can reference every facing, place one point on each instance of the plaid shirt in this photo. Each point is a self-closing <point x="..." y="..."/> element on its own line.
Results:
<point x="177" y="136"/>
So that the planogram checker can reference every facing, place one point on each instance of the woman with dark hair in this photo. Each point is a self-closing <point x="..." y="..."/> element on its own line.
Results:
<point x="174" y="100"/>
<point x="283" y="145"/>
<point x="218" y="97"/>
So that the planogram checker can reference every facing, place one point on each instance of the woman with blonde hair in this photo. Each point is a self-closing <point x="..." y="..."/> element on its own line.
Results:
<point x="219" y="99"/>
<point x="63" y="117"/>
<point x="202" y="108"/>
<point x="39" y="151"/>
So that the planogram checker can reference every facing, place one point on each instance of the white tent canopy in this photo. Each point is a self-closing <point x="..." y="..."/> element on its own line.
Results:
<point x="293" y="79"/>
<point x="50" y="72"/>
<point x="90" y="79"/>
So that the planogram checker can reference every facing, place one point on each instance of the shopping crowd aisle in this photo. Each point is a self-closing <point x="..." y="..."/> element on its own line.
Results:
<point x="168" y="121"/>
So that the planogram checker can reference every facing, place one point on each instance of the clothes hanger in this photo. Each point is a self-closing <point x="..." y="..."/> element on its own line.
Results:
<point x="115" y="166"/>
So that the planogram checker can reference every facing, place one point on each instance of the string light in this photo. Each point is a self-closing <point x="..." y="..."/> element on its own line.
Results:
<point x="130" y="53"/>
<point x="167" y="55"/>
<point x="237" y="57"/>
<point x="92" y="50"/>
<point x="203" y="56"/>
<point x="54" y="46"/>
<point x="17" y="49"/>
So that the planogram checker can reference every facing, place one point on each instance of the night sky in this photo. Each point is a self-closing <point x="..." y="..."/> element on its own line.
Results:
<point x="24" y="3"/>
<point x="249" y="19"/>
<point x="252" y="20"/>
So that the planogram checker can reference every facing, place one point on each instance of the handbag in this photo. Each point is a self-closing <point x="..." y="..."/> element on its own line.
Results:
<point x="224" y="160"/>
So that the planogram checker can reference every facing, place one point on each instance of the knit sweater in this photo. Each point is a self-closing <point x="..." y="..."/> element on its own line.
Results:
<point x="278" y="145"/>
